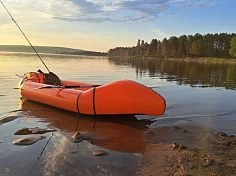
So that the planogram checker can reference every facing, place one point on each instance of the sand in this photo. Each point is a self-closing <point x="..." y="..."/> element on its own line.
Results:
<point x="188" y="151"/>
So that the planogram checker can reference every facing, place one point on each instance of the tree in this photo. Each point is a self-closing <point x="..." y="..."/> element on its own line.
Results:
<point x="232" y="50"/>
<point x="142" y="49"/>
<point x="152" y="48"/>
<point x="173" y="46"/>
<point x="138" y="47"/>
<point x="159" y="50"/>
<point x="165" y="48"/>
<point x="145" y="49"/>
<point x="196" y="48"/>
<point x="209" y="45"/>
<point x="183" y="46"/>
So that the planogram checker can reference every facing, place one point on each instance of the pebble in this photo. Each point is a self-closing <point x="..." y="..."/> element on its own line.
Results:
<point x="100" y="153"/>
<point x="175" y="146"/>
<point x="185" y="131"/>
<point x="7" y="119"/>
<point x="228" y="144"/>
<point x="209" y="162"/>
<point x="177" y="128"/>
<point x="182" y="147"/>
<point x="222" y="134"/>
<point x="81" y="136"/>
<point x="27" y="141"/>
<point x="73" y="152"/>
<point x="178" y="146"/>
<point x="23" y="131"/>
<point x="36" y="130"/>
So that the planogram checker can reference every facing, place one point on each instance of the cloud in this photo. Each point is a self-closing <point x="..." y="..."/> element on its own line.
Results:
<point x="198" y="3"/>
<point x="96" y="11"/>
<point x="43" y="8"/>
<point x="106" y="5"/>
<point x="117" y="10"/>
<point x="85" y="19"/>
<point x="128" y="10"/>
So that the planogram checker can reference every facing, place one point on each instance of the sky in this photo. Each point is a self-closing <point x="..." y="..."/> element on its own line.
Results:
<point x="100" y="25"/>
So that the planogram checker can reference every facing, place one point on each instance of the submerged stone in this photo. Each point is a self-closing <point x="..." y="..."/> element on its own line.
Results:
<point x="7" y="119"/>
<point x="81" y="136"/>
<point x="24" y="131"/>
<point x="100" y="153"/>
<point x="27" y="141"/>
<point x="36" y="130"/>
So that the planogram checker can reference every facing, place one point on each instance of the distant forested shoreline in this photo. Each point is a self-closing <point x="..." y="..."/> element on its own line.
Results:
<point x="221" y="45"/>
<point x="49" y="50"/>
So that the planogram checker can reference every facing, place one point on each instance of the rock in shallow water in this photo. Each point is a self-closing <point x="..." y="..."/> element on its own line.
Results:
<point x="100" y="153"/>
<point x="81" y="136"/>
<point x="36" y="130"/>
<point x="28" y="141"/>
<point x="6" y="119"/>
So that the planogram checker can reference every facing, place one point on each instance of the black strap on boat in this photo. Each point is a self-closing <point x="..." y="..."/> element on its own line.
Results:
<point x="77" y="102"/>
<point x="94" y="105"/>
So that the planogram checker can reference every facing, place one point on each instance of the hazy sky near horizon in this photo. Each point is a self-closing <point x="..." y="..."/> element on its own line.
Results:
<point x="103" y="24"/>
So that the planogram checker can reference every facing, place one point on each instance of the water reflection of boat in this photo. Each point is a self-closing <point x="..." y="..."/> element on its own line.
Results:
<point x="111" y="132"/>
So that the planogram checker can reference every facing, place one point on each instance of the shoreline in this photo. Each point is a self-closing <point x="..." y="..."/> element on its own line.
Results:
<point x="213" y="60"/>
<point x="206" y="60"/>
<point x="48" y="54"/>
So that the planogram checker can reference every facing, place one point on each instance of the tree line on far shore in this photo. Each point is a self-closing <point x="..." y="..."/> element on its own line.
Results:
<point x="221" y="45"/>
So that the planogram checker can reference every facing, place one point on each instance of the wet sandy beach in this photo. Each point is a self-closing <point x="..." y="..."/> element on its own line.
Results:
<point x="188" y="150"/>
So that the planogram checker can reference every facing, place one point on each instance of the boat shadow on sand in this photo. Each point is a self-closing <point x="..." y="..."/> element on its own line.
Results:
<point x="122" y="133"/>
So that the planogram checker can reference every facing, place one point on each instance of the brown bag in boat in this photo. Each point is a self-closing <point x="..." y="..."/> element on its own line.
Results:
<point x="52" y="79"/>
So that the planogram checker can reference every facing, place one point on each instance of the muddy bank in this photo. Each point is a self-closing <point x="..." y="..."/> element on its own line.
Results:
<point x="188" y="151"/>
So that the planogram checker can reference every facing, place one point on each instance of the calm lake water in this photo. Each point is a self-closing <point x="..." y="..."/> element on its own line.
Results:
<point x="195" y="93"/>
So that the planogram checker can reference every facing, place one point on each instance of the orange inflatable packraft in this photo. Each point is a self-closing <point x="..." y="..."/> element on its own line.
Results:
<point x="118" y="97"/>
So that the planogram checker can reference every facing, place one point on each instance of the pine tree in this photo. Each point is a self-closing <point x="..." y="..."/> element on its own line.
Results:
<point x="232" y="50"/>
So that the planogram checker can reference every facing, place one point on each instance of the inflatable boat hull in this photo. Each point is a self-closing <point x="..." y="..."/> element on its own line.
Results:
<point x="119" y="97"/>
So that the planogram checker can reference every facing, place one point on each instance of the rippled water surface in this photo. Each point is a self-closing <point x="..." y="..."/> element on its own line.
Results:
<point x="195" y="93"/>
